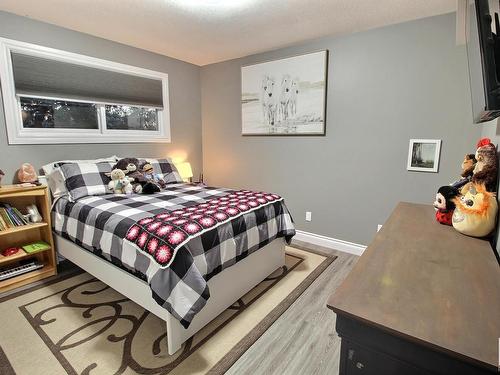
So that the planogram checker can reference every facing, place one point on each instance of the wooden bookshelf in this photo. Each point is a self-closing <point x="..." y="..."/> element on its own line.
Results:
<point x="20" y="197"/>
<point x="22" y="228"/>
<point x="17" y="256"/>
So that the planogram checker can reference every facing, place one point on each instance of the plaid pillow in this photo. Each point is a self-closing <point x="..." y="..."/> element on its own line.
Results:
<point x="167" y="168"/>
<point x="55" y="179"/>
<point x="84" y="179"/>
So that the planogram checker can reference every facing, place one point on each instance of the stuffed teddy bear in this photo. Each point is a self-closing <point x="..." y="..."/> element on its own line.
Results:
<point x="141" y="175"/>
<point x="476" y="212"/>
<point x="130" y="166"/>
<point x="486" y="169"/>
<point x="444" y="204"/>
<point x="123" y="163"/>
<point x="120" y="183"/>
<point x="467" y="171"/>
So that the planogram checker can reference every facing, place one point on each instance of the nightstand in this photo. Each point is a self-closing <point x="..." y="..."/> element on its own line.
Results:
<point x="18" y="236"/>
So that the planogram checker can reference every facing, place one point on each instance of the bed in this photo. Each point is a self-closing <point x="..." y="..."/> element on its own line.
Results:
<point x="208" y="270"/>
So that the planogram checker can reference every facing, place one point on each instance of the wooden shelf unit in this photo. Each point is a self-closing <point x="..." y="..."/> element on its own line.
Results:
<point x="20" y="197"/>
<point x="22" y="228"/>
<point x="18" y="256"/>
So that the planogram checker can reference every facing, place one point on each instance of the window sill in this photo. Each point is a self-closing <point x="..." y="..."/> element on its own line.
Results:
<point x="100" y="138"/>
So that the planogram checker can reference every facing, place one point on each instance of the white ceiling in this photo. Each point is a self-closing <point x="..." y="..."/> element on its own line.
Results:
<point x="208" y="31"/>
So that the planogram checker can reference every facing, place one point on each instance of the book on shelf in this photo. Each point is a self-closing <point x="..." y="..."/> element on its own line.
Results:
<point x="6" y="219"/>
<point x="3" y="223"/>
<point x="10" y="217"/>
<point x="20" y="216"/>
<point x="36" y="247"/>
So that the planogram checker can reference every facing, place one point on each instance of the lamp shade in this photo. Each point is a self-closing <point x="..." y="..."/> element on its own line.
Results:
<point x="185" y="170"/>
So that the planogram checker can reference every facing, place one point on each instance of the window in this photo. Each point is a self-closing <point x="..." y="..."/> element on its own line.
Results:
<point x="52" y="96"/>
<point x="47" y="113"/>
<point x="122" y="117"/>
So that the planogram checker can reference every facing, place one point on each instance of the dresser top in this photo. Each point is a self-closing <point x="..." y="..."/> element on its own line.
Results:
<point x="427" y="283"/>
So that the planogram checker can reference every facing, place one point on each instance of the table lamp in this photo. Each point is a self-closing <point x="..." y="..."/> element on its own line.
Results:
<point x="185" y="171"/>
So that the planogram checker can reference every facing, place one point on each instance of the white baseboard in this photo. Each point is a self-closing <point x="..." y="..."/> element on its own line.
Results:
<point x="329" y="242"/>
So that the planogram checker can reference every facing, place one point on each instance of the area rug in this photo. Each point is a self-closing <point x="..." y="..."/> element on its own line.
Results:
<point x="81" y="326"/>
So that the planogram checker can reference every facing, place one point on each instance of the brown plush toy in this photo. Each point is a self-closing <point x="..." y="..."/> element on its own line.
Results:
<point x="124" y="163"/>
<point x="467" y="171"/>
<point x="486" y="169"/>
<point x="130" y="166"/>
<point x="468" y="165"/>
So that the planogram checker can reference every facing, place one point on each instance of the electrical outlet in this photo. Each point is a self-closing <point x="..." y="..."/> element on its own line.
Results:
<point x="308" y="215"/>
<point x="379" y="227"/>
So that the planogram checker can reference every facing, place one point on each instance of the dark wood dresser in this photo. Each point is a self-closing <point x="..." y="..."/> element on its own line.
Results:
<point x="422" y="299"/>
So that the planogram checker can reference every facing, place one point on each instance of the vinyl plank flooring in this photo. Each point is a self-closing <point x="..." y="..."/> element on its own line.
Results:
<point x="303" y="340"/>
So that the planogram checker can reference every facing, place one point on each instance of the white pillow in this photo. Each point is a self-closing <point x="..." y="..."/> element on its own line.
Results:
<point x="55" y="178"/>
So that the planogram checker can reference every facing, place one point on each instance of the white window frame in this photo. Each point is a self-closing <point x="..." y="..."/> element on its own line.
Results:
<point x="17" y="134"/>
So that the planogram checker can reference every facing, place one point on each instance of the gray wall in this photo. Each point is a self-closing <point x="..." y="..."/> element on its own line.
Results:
<point x="185" y="101"/>
<point x="385" y="86"/>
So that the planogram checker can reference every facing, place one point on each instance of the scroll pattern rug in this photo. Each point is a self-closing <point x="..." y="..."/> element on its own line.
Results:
<point x="81" y="326"/>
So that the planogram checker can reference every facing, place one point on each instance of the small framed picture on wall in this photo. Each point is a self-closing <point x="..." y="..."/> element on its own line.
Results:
<point x="423" y="155"/>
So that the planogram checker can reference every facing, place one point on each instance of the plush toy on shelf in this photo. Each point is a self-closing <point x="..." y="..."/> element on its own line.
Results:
<point x="476" y="212"/>
<point x="468" y="165"/>
<point x="444" y="204"/>
<point x="120" y="183"/>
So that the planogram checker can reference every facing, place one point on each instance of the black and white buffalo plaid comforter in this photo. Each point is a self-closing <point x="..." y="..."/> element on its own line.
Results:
<point x="101" y="223"/>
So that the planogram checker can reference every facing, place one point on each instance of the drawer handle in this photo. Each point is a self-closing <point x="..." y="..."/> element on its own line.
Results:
<point x="359" y="365"/>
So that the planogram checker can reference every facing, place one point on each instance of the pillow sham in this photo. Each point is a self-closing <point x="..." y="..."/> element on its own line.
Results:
<point x="55" y="178"/>
<point x="84" y="179"/>
<point x="166" y="168"/>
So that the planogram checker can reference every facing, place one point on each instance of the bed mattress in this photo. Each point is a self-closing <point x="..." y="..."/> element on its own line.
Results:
<point x="100" y="224"/>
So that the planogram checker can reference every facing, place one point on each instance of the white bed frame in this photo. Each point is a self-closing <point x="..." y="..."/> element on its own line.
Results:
<point x="225" y="288"/>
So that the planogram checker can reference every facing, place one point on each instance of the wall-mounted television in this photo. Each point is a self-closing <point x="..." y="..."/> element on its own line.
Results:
<point x="483" y="53"/>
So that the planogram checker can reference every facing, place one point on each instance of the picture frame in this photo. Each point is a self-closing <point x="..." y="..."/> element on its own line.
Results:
<point x="285" y="97"/>
<point x="423" y="155"/>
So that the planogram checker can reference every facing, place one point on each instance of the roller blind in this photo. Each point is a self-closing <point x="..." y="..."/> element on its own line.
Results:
<point x="50" y="78"/>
